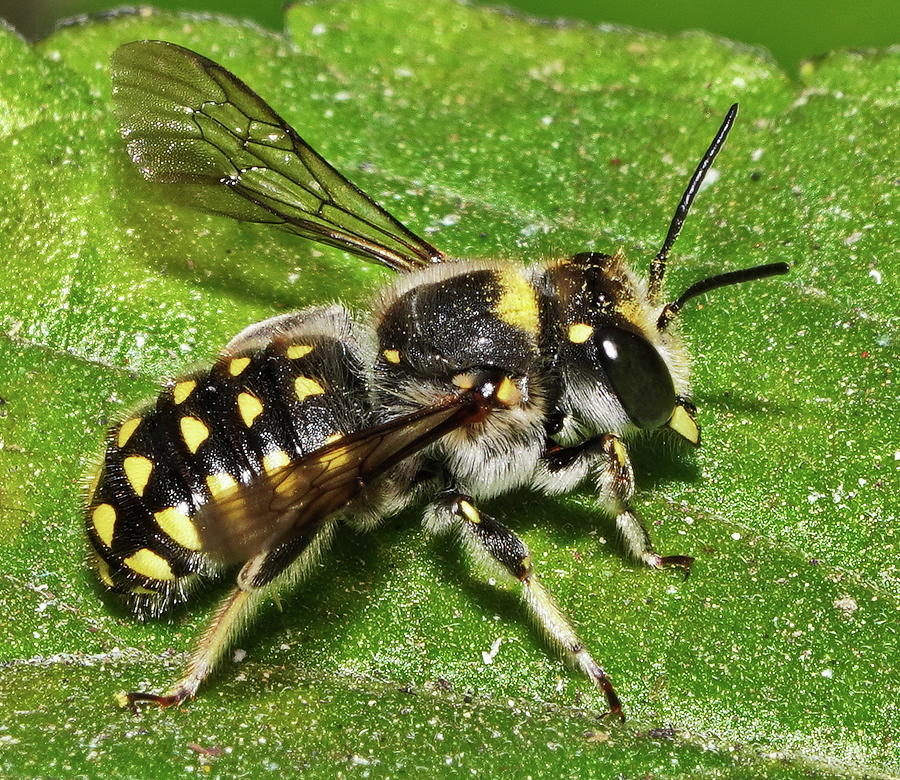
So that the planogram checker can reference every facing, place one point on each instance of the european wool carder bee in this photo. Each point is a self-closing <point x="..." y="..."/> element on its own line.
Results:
<point x="469" y="379"/>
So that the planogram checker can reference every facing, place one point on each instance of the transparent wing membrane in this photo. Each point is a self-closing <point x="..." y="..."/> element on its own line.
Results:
<point x="189" y="122"/>
<point x="277" y="507"/>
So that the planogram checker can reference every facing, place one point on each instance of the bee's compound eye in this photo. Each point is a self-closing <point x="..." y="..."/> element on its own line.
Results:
<point x="638" y="375"/>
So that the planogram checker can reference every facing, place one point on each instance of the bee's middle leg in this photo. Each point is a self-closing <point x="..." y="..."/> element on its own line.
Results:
<point x="507" y="556"/>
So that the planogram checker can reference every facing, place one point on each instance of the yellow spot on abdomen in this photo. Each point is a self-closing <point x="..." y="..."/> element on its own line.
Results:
<point x="305" y="387"/>
<point x="339" y="458"/>
<point x="392" y="356"/>
<point x="298" y="351"/>
<point x="103" y="572"/>
<point x="250" y="408"/>
<point x="333" y="438"/>
<point x="104" y="520"/>
<point x="275" y="460"/>
<point x="149" y="564"/>
<point x="178" y="526"/>
<point x="517" y="305"/>
<point x="220" y="483"/>
<point x="182" y="390"/>
<point x="138" y="470"/>
<point x="580" y="332"/>
<point x="126" y="429"/>
<point x="236" y="366"/>
<point x="194" y="432"/>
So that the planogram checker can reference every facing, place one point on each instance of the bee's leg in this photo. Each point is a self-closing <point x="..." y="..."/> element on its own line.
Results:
<point x="231" y="615"/>
<point x="506" y="555"/>
<point x="255" y="581"/>
<point x="605" y="458"/>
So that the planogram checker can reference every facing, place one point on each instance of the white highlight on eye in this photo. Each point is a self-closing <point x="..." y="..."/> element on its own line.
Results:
<point x="610" y="349"/>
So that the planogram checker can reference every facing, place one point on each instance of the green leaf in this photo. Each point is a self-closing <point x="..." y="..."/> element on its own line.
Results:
<point x="492" y="136"/>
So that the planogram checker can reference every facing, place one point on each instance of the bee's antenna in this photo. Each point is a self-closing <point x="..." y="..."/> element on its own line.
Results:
<point x="658" y="264"/>
<point x="714" y="282"/>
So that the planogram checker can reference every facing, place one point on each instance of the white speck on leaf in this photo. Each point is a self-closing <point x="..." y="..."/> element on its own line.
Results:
<point x="846" y="604"/>
<point x="489" y="657"/>
<point x="712" y="176"/>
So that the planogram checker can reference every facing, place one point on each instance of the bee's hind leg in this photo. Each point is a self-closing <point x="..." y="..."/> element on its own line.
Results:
<point x="228" y="619"/>
<point x="605" y="460"/>
<point x="507" y="556"/>
<point x="261" y="576"/>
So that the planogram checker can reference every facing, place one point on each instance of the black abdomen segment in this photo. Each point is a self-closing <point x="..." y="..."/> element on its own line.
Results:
<point x="253" y="412"/>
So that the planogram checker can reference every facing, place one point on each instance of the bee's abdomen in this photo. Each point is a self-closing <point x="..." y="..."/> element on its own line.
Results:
<point x="253" y="411"/>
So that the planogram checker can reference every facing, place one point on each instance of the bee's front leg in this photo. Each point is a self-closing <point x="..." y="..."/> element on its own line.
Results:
<point x="605" y="459"/>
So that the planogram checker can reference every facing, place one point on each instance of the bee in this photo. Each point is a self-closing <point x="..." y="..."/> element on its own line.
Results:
<point x="469" y="378"/>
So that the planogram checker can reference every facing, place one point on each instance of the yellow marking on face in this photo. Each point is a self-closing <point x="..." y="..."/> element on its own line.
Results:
<point x="684" y="425"/>
<point x="275" y="460"/>
<point x="580" y="332"/>
<point x="103" y="572"/>
<point x="104" y="520"/>
<point x="178" y="526"/>
<point x="517" y="305"/>
<point x="298" y="351"/>
<point x="305" y="387"/>
<point x="250" y="408"/>
<point x="126" y="429"/>
<point x="236" y="366"/>
<point x="182" y="390"/>
<point x="621" y="452"/>
<point x="138" y="470"/>
<point x="220" y="483"/>
<point x="194" y="432"/>
<point x="392" y="356"/>
<point x="149" y="564"/>
<point x="333" y="438"/>
<point x="469" y="512"/>
<point x="508" y="393"/>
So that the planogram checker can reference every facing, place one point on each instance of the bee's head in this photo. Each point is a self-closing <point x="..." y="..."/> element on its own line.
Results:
<point x="622" y="367"/>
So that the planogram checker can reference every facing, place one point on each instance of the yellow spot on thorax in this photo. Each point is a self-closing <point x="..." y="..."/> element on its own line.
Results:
<point x="250" y="408"/>
<point x="275" y="460"/>
<point x="194" y="432"/>
<point x="392" y="356"/>
<point x="305" y="387"/>
<point x="104" y="520"/>
<point x="182" y="390"/>
<point x="220" y="483"/>
<point x="298" y="351"/>
<point x="178" y="526"/>
<point x="580" y="332"/>
<point x="149" y="564"/>
<point x="508" y="393"/>
<point x="138" y="470"/>
<point x="126" y="430"/>
<point x="517" y="305"/>
<point x="236" y="366"/>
